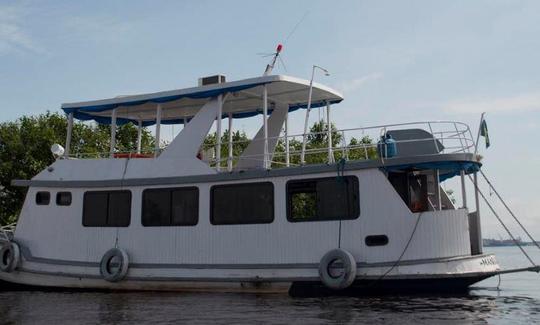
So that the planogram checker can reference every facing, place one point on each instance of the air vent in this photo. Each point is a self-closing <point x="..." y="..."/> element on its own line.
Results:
<point x="217" y="79"/>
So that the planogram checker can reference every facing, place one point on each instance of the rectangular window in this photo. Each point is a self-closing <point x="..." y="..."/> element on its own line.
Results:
<point x="236" y="204"/>
<point x="63" y="198"/>
<point x="170" y="207"/>
<point x="43" y="198"/>
<point x="332" y="198"/>
<point x="107" y="209"/>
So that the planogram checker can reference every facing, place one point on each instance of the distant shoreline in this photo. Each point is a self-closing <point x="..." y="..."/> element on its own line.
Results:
<point x="488" y="242"/>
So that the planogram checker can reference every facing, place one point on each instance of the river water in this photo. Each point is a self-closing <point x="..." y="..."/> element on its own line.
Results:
<point x="517" y="301"/>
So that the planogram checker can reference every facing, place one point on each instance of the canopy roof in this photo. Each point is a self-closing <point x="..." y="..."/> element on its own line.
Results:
<point x="244" y="100"/>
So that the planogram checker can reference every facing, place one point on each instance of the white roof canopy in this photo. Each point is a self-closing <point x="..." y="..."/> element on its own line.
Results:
<point x="244" y="100"/>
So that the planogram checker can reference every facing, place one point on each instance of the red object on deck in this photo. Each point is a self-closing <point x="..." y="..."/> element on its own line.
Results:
<point x="132" y="155"/>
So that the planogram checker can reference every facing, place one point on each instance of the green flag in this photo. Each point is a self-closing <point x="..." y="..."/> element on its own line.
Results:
<point x="484" y="132"/>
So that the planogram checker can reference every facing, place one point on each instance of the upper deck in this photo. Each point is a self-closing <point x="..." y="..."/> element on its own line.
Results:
<point x="192" y="153"/>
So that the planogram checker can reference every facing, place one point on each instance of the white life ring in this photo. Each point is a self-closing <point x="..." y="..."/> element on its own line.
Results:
<point x="10" y="256"/>
<point x="328" y="274"/>
<point x="114" y="265"/>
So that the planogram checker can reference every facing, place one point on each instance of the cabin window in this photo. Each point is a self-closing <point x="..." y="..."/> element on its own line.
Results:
<point x="376" y="240"/>
<point x="332" y="198"/>
<point x="43" y="198"/>
<point x="170" y="207"/>
<point x="242" y="204"/>
<point x="63" y="198"/>
<point x="107" y="209"/>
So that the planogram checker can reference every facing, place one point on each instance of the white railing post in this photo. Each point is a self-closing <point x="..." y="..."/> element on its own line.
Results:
<point x="438" y="188"/>
<point x="230" y="158"/>
<point x="218" y="132"/>
<point x="329" y="134"/>
<point x="434" y="138"/>
<point x="287" y="152"/>
<point x="265" y="125"/>
<point x="158" y="130"/>
<point x="113" y="133"/>
<point x="68" y="135"/>
<point x="139" y="136"/>
<point x="463" y="190"/>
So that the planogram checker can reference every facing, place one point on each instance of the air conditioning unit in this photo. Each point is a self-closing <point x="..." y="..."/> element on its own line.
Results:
<point x="211" y="80"/>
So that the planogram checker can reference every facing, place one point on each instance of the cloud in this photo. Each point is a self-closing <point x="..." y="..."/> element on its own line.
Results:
<point x="522" y="102"/>
<point x="358" y="83"/>
<point x="13" y="36"/>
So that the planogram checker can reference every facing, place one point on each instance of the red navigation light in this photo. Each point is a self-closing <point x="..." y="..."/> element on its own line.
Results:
<point x="279" y="47"/>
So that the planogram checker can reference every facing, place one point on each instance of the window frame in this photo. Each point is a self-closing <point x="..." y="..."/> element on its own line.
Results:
<point x="219" y="186"/>
<point x="288" y="199"/>
<point x="47" y="194"/>
<point x="170" y="191"/>
<point x="107" y="218"/>
<point x="58" y="195"/>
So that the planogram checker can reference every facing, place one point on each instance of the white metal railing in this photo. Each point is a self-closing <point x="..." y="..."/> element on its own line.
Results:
<point x="455" y="137"/>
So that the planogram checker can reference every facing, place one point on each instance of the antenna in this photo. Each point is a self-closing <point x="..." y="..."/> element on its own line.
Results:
<point x="270" y="67"/>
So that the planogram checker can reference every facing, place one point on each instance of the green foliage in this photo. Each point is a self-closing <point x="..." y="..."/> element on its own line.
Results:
<point x="25" y="150"/>
<point x="240" y="143"/>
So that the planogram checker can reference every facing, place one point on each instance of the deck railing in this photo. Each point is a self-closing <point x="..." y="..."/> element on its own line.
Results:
<point x="349" y="144"/>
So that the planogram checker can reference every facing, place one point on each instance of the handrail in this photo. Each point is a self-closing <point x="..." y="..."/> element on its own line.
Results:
<point x="456" y="137"/>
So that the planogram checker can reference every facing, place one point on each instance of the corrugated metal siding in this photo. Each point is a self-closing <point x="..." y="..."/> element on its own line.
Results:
<point x="57" y="232"/>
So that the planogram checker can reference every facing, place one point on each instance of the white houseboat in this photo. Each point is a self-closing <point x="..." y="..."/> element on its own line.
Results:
<point x="179" y="220"/>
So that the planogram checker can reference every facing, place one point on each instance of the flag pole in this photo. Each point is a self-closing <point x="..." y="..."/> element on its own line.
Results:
<point x="479" y="132"/>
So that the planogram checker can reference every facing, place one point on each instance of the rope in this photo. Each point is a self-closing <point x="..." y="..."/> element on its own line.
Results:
<point x="340" y="179"/>
<point x="502" y="223"/>
<point x="508" y="208"/>
<point x="402" y="253"/>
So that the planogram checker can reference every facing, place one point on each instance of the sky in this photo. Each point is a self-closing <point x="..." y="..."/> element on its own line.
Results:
<point x="395" y="61"/>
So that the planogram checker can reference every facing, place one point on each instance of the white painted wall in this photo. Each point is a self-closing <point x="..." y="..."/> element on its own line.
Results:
<point x="56" y="232"/>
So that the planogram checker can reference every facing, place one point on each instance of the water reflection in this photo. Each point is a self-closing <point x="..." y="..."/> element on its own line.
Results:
<point x="121" y="308"/>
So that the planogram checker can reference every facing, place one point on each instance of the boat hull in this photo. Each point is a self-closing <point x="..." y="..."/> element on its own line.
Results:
<point x="433" y="276"/>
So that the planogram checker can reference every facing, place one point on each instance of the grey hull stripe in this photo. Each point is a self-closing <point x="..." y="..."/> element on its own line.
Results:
<point x="249" y="174"/>
<point x="260" y="279"/>
<point x="40" y="260"/>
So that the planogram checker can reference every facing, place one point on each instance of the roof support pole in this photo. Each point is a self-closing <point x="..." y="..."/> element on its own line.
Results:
<point x="306" y="121"/>
<point x="113" y="133"/>
<point x="265" y="124"/>
<point x="438" y="189"/>
<point x="68" y="134"/>
<point x="287" y="151"/>
<point x="329" y="134"/>
<point x="230" y="158"/>
<point x="477" y="214"/>
<point x="218" y="132"/>
<point x="463" y="191"/>
<point x="139" y="136"/>
<point x="158" y="130"/>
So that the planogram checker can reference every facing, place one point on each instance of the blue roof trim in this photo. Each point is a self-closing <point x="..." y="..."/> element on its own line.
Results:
<point x="82" y="114"/>
<point x="449" y="168"/>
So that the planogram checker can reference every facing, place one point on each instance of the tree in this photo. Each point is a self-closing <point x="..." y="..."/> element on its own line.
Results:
<point x="240" y="143"/>
<point x="25" y="150"/>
